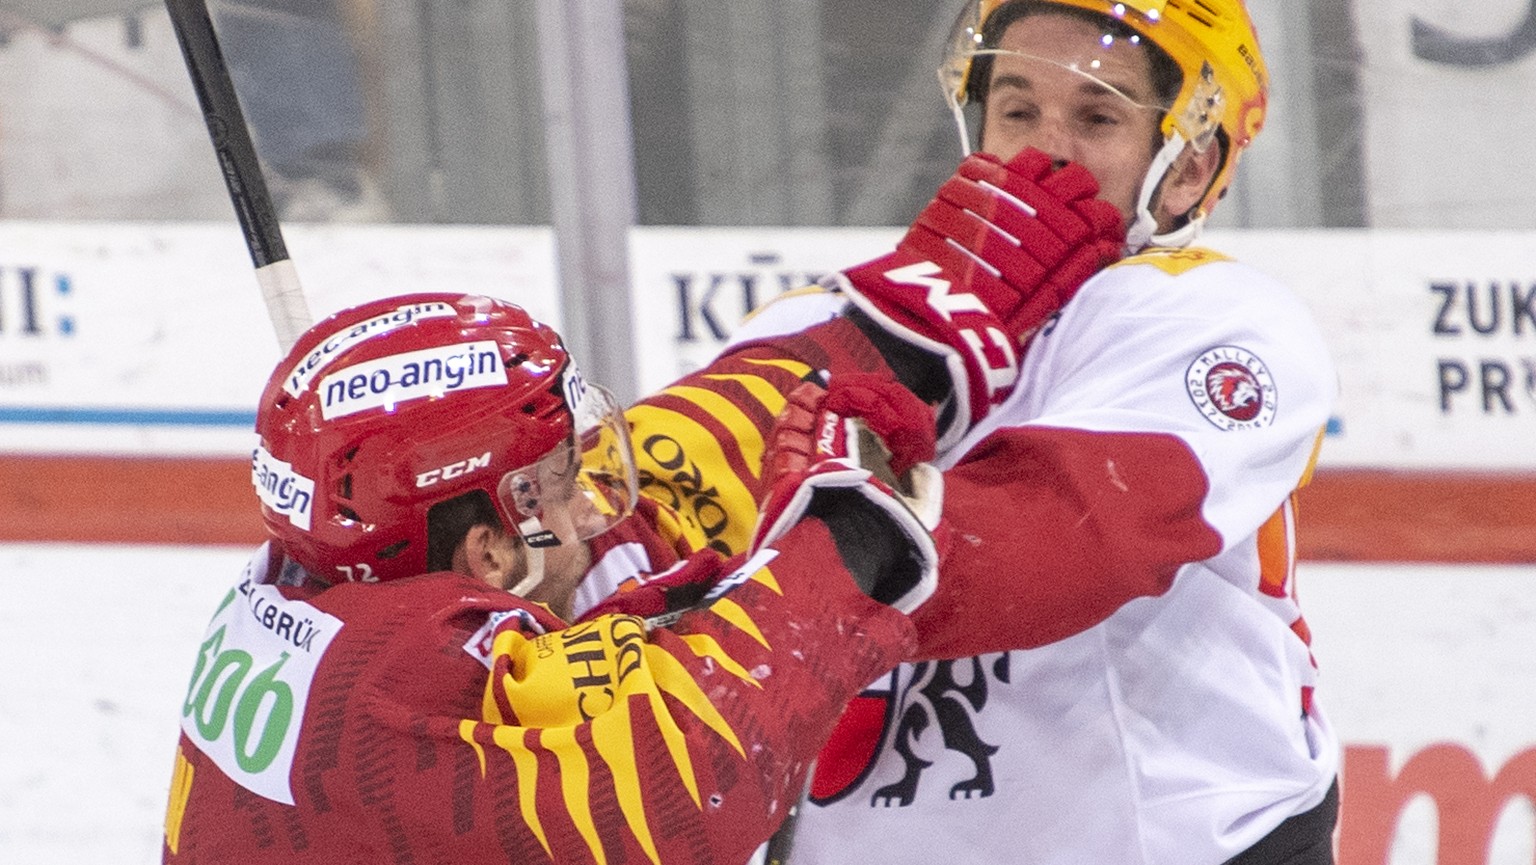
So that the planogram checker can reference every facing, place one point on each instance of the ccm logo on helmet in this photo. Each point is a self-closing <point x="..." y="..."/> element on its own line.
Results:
<point x="413" y="375"/>
<point x="449" y="472"/>
<point x="281" y="488"/>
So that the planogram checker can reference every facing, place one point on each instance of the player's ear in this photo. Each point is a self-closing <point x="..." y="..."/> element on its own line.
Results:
<point x="1186" y="182"/>
<point x="487" y="554"/>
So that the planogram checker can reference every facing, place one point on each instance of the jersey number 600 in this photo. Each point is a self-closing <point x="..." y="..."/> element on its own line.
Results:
<point x="219" y="683"/>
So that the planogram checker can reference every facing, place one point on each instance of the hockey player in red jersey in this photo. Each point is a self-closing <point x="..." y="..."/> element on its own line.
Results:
<point x="1123" y="477"/>
<point x="336" y="713"/>
<point x="369" y="691"/>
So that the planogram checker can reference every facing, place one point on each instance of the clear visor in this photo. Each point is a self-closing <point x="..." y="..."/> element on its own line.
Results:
<point x="1103" y="61"/>
<point x="583" y="487"/>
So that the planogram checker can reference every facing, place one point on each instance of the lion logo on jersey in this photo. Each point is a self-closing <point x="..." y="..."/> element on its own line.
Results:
<point x="1232" y="388"/>
<point x="1234" y="391"/>
<point x="883" y="729"/>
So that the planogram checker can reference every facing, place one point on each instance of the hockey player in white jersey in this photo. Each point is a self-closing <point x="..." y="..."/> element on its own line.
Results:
<point x="1127" y="472"/>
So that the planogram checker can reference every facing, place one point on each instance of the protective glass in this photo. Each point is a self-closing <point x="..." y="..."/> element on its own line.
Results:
<point x="967" y="43"/>
<point x="583" y="487"/>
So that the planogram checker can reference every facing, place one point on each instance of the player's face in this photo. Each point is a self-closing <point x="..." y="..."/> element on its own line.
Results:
<point x="563" y="565"/>
<point x="1036" y="100"/>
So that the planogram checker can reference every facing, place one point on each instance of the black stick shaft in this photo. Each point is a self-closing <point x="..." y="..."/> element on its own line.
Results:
<point x="227" y="128"/>
<point x="236" y="153"/>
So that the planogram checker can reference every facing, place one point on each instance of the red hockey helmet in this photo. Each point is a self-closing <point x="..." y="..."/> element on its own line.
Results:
<point x="387" y="410"/>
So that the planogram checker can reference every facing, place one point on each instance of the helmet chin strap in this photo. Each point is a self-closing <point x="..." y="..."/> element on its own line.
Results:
<point x="534" y="557"/>
<point x="533" y="538"/>
<point x="1143" y="230"/>
<point x="958" y="112"/>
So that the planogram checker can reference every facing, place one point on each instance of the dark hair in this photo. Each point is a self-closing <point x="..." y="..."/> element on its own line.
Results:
<point x="449" y="521"/>
<point x="1166" y="76"/>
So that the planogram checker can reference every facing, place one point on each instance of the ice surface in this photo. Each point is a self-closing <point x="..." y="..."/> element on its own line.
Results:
<point x="97" y="643"/>
<point x="96" y="646"/>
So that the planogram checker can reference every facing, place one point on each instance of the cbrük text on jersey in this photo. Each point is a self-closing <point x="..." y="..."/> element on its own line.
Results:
<point x="300" y="633"/>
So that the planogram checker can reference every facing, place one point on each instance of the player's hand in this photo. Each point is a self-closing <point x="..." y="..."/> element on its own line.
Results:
<point x="998" y="251"/>
<point x="870" y="420"/>
<point x="661" y="598"/>
<point x="884" y="546"/>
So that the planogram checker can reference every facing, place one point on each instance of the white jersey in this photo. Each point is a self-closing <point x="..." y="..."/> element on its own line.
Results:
<point x="1182" y="728"/>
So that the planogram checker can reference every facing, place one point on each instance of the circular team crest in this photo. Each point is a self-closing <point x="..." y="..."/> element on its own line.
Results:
<point x="1232" y="388"/>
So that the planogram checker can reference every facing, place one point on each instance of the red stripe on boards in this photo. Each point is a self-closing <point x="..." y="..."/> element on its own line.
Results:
<point x="1349" y="515"/>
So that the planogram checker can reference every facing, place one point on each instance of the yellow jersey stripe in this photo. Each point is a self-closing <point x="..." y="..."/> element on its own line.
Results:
<point x="676" y="743"/>
<point x="510" y="739"/>
<point x="613" y="736"/>
<point x="673" y="678"/>
<point x="467" y="733"/>
<point x="575" y="784"/>
<point x="732" y="612"/>
<point x="705" y="646"/>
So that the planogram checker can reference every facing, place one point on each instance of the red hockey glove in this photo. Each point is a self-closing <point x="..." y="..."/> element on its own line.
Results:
<point x="883" y="545"/>
<point x="998" y="251"/>
<point x="661" y="598"/>
<point x="869" y="419"/>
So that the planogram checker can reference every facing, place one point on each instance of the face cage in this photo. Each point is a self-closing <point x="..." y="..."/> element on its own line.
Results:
<point x="1195" y="126"/>
<point x="583" y="487"/>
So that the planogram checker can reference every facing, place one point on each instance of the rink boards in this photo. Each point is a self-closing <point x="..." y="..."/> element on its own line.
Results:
<point x="149" y="341"/>
<point x="131" y="357"/>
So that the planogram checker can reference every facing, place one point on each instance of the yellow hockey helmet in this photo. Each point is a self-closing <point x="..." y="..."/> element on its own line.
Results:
<point x="1224" y="86"/>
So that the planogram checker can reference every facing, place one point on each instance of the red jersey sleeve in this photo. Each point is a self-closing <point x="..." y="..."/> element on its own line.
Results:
<point x="1094" y="541"/>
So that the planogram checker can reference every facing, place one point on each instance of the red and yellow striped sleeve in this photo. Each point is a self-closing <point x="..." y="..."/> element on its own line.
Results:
<point x="612" y="741"/>
<point x="699" y="442"/>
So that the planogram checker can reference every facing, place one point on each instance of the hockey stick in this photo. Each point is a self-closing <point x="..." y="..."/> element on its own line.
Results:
<point x="236" y="153"/>
<point x="779" y="845"/>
